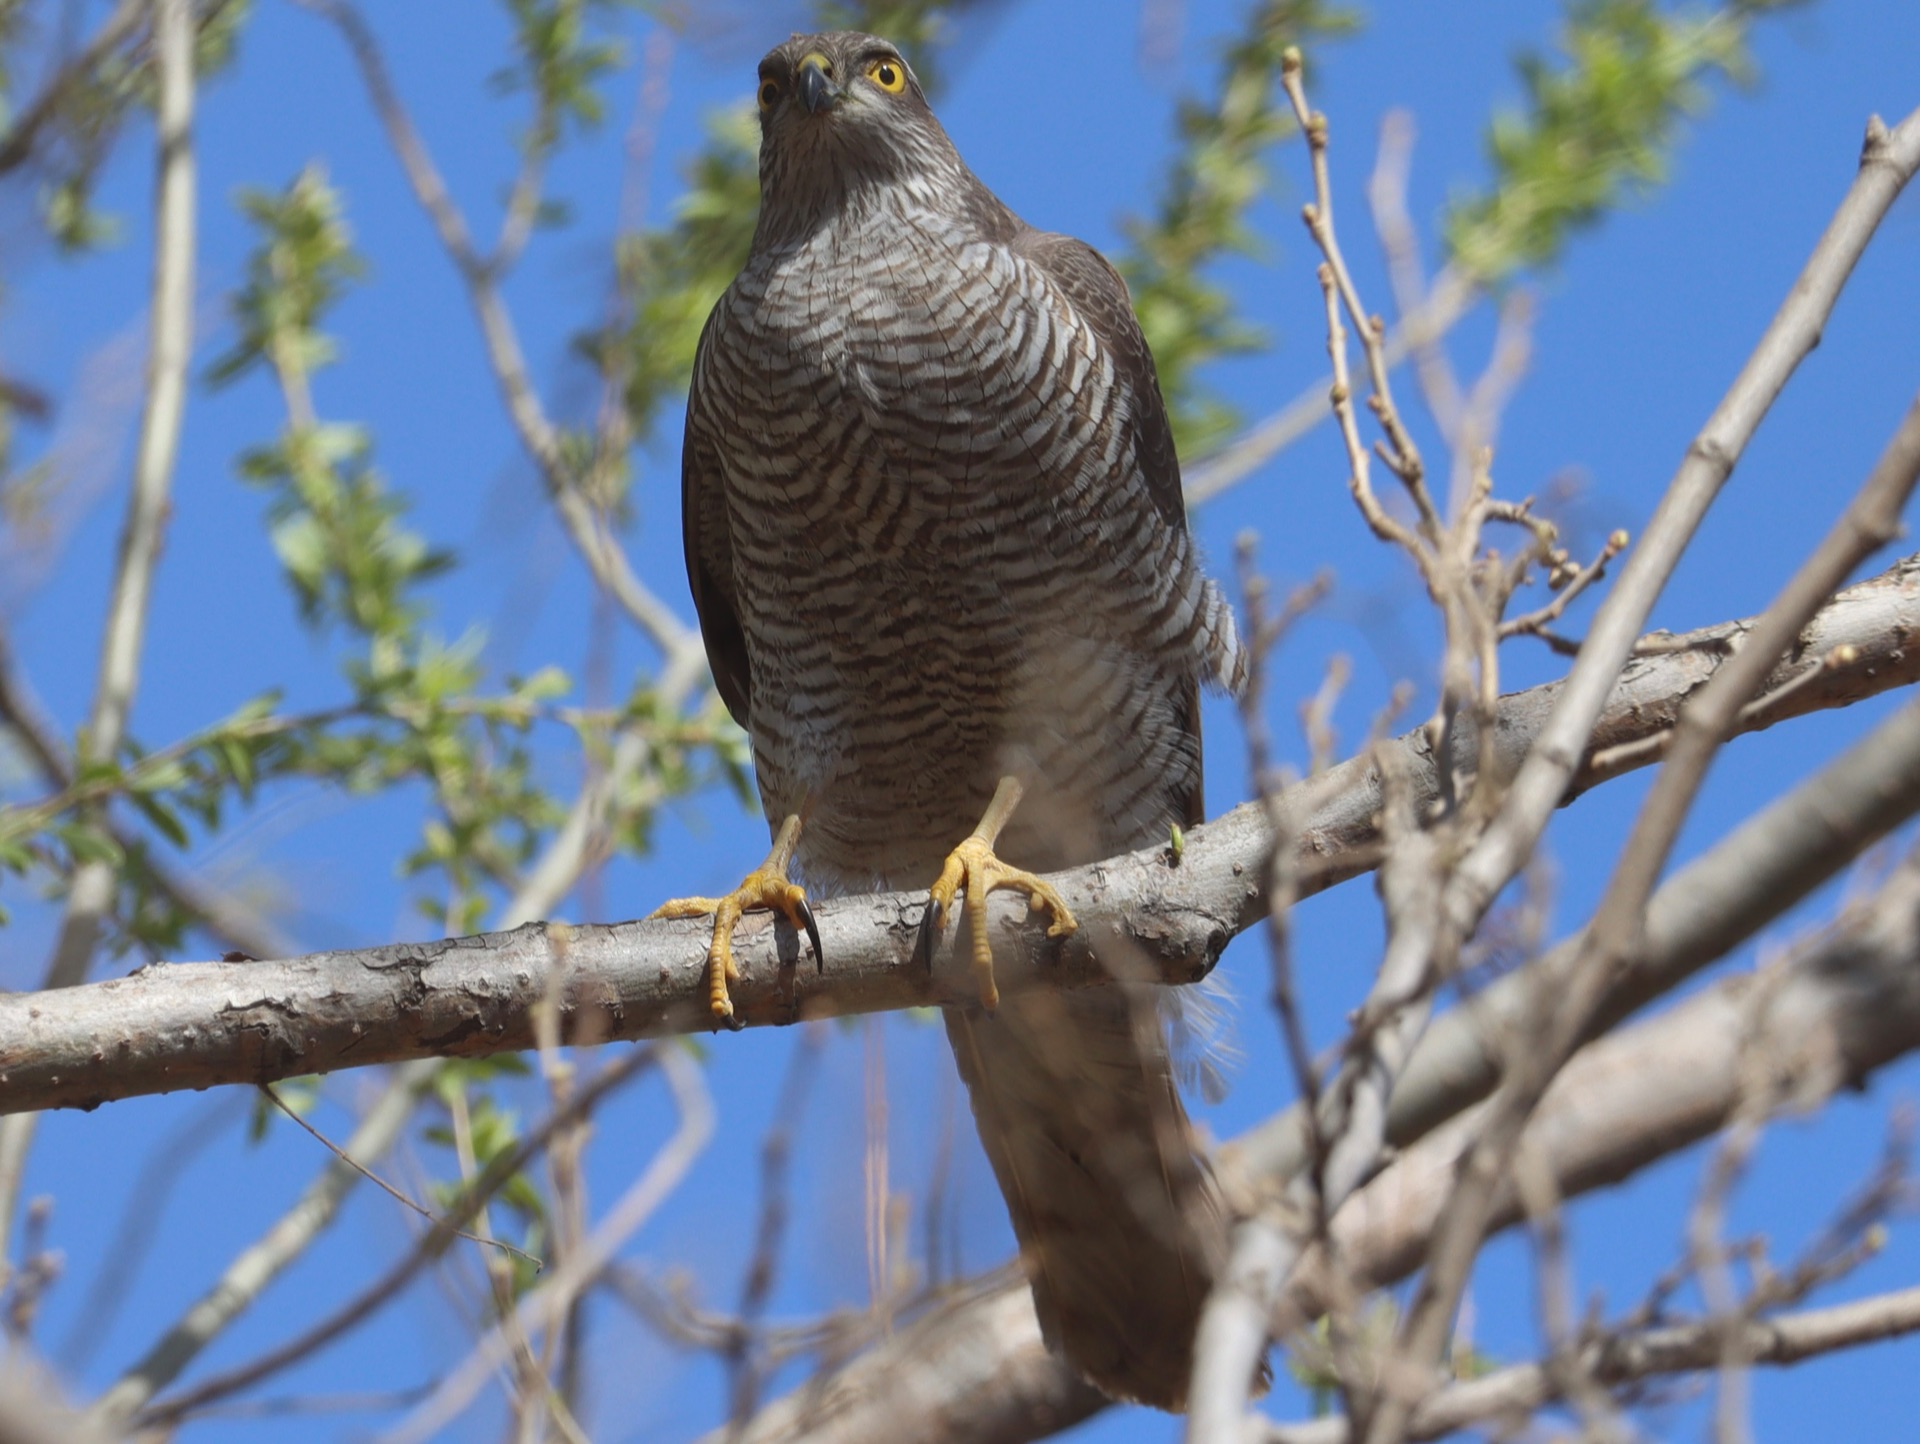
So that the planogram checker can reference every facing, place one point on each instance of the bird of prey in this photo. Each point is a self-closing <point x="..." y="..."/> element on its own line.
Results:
<point x="934" y="530"/>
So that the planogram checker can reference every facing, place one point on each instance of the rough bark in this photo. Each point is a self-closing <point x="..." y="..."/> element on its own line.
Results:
<point x="196" y="1025"/>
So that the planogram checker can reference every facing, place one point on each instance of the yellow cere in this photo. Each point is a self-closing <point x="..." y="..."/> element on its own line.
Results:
<point x="890" y="75"/>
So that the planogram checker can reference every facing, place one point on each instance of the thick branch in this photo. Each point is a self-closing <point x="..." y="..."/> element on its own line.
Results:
<point x="194" y="1025"/>
<point x="974" y="1371"/>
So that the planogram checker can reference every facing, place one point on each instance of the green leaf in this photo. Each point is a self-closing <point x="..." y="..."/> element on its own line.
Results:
<point x="91" y="843"/>
<point x="301" y="1095"/>
<point x="1597" y="127"/>
<point x="162" y="817"/>
<point x="1219" y="173"/>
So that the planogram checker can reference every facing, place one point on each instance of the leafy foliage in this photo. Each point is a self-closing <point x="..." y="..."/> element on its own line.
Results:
<point x="88" y="110"/>
<point x="1219" y="171"/>
<point x="1597" y="129"/>
<point x="307" y="262"/>
<point x="560" y="58"/>
<point x="419" y="712"/>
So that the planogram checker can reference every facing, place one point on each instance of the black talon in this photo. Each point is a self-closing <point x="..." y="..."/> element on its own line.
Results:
<point x="931" y="921"/>
<point x="814" y="933"/>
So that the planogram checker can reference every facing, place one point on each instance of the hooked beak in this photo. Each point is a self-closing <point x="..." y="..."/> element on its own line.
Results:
<point x="818" y="93"/>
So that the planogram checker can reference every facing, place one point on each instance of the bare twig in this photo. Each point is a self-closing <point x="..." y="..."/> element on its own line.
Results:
<point x="975" y="1371"/>
<point x="1709" y="1253"/>
<point x="1281" y="864"/>
<point x="1626" y="1358"/>
<point x="1888" y="162"/>
<point x="90" y="890"/>
<point x="661" y="1178"/>
<point x="745" y="1349"/>
<point x="428" y="1247"/>
<point x="1570" y="1372"/>
<point x="680" y="645"/>
<point x="1388" y="201"/>
<point x="1537" y="623"/>
<point x="1872" y="519"/>
<point x="385" y="1187"/>
<point x="262" y="1261"/>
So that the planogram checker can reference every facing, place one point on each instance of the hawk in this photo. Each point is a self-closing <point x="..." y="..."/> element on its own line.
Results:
<point x="934" y="530"/>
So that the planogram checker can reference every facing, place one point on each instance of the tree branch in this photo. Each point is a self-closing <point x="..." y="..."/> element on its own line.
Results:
<point x="19" y="140"/>
<point x="1628" y="1357"/>
<point x="1885" y="168"/>
<point x="91" y="888"/>
<point x="1451" y="299"/>
<point x="680" y="645"/>
<point x="975" y="1371"/>
<point x="1870" y="521"/>
<point x="194" y="1025"/>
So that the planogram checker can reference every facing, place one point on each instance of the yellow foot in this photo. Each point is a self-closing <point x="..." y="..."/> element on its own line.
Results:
<point x="973" y="865"/>
<point x="766" y="887"/>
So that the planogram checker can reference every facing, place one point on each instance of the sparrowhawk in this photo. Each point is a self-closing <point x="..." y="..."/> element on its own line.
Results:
<point x="934" y="530"/>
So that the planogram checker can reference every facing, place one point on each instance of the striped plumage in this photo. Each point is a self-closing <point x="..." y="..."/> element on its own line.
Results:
<point x="935" y="535"/>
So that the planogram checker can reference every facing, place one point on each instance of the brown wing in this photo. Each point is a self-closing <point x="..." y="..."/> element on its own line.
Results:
<point x="1098" y="292"/>
<point x="710" y="559"/>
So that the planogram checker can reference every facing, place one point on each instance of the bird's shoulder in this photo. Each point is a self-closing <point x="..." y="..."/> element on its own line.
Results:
<point x="1095" y="290"/>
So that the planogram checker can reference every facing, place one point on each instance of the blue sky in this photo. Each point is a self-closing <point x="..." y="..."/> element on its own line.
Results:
<point x="1640" y="328"/>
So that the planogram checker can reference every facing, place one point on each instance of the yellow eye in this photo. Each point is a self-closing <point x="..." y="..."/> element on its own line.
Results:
<point x="890" y="75"/>
<point x="767" y="95"/>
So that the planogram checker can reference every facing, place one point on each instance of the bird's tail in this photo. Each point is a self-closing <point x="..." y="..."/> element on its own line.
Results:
<point x="1122" y="1229"/>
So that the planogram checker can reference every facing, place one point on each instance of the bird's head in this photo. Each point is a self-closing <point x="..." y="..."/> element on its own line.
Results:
<point x="841" y="112"/>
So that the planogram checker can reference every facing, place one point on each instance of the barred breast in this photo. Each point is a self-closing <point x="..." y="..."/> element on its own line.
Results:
<point x="943" y="563"/>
